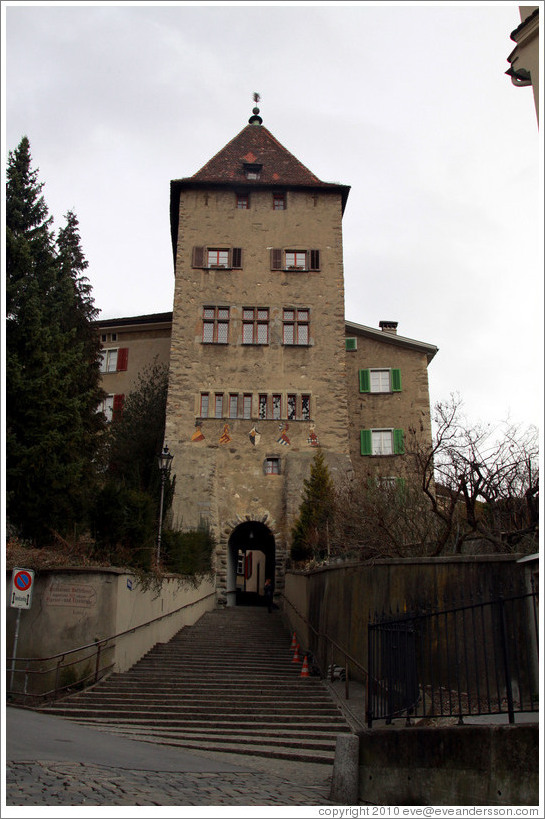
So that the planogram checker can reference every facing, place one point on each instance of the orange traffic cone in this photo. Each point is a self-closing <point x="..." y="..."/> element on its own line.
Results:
<point x="296" y="657"/>
<point x="293" y="641"/>
<point x="304" y="670"/>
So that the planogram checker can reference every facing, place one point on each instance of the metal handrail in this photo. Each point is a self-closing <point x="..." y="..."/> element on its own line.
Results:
<point x="322" y="635"/>
<point x="97" y="645"/>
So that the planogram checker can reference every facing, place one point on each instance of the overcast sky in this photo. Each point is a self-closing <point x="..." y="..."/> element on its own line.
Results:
<point x="407" y="104"/>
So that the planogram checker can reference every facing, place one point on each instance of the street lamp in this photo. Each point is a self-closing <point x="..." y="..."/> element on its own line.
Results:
<point x="165" y="462"/>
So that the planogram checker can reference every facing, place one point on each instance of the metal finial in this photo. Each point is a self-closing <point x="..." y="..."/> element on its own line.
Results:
<point x="255" y="119"/>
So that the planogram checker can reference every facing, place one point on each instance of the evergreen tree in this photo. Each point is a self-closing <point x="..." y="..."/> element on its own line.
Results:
<point x="51" y="400"/>
<point x="310" y="534"/>
<point x="136" y="438"/>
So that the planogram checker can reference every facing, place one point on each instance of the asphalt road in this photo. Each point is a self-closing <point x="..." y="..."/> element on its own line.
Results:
<point x="51" y="761"/>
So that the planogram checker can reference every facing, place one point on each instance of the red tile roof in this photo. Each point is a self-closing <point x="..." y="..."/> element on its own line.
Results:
<point x="256" y="145"/>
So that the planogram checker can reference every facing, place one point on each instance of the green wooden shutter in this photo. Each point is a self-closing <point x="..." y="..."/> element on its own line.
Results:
<point x="365" y="381"/>
<point x="399" y="444"/>
<point x="351" y="344"/>
<point x="396" y="380"/>
<point x="366" y="445"/>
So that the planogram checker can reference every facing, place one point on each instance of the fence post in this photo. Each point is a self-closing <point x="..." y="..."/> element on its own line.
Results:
<point x="506" y="666"/>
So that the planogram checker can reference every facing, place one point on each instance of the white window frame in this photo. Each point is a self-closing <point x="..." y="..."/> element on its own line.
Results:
<point x="380" y="380"/>
<point x="107" y="407"/>
<point x="382" y="441"/>
<point x="108" y="361"/>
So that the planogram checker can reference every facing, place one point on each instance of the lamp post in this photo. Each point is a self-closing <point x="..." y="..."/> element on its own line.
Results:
<point x="165" y="462"/>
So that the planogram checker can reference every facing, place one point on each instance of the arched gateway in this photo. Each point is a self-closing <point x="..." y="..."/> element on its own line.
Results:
<point x="250" y="554"/>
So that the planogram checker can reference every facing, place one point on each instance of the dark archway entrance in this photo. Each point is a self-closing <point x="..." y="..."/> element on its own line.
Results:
<point x="251" y="559"/>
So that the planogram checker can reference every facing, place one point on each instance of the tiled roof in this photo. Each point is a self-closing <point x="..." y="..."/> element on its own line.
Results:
<point x="255" y="145"/>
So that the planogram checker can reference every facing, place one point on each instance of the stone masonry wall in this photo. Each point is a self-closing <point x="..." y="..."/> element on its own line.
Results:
<point x="219" y="463"/>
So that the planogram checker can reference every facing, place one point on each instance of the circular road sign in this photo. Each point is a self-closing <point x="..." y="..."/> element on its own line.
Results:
<point x="23" y="580"/>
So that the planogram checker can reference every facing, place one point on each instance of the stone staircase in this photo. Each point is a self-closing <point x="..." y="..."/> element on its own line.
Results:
<point x="226" y="684"/>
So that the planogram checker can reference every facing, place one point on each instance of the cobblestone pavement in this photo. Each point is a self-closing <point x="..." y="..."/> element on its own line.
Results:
<point x="42" y="784"/>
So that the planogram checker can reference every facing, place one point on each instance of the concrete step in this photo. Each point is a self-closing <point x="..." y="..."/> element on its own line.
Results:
<point x="226" y="684"/>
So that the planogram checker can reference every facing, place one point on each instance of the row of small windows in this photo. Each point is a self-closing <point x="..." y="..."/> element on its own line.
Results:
<point x="230" y="258"/>
<point x="278" y="201"/>
<point x="264" y="406"/>
<point x="255" y="325"/>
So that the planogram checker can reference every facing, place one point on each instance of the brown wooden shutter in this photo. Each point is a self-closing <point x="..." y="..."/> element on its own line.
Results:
<point x="122" y="359"/>
<point x="276" y="259"/>
<point x="236" y="255"/>
<point x="198" y="257"/>
<point x="314" y="260"/>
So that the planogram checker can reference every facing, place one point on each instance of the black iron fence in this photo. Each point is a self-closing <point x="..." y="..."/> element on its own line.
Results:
<point x="477" y="657"/>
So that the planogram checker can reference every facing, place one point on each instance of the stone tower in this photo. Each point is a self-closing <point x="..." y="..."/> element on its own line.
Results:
<point x="257" y="361"/>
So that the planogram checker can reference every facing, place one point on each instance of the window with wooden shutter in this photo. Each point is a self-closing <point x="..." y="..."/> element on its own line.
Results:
<point x="198" y="257"/>
<point x="276" y="258"/>
<point x="122" y="359"/>
<point x="365" y="381"/>
<point x="351" y="344"/>
<point x="396" y="380"/>
<point x="399" y="443"/>
<point x="366" y="446"/>
<point x="314" y="260"/>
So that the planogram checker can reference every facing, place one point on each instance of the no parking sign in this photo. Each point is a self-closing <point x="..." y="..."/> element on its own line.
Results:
<point x="22" y="583"/>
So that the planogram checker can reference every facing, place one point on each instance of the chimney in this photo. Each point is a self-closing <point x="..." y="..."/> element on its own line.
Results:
<point x="388" y="327"/>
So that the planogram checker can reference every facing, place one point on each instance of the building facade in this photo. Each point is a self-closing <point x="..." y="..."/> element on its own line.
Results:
<point x="263" y="367"/>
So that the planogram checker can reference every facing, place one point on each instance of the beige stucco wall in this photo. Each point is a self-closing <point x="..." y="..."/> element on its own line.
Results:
<point x="72" y="608"/>
<point x="145" y="345"/>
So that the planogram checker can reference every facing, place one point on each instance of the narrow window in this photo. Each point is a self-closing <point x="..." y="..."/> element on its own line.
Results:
<point x="279" y="201"/>
<point x="262" y="407"/>
<point x="204" y="405"/>
<point x="292" y="407"/>
<point x="305" y="407"/>
<point x="243" y="201"/>
<point x="277" y="406"/>
<point x="233" y="406"/>
<point x="219" y="405"/>
<point x="247" y="406"/>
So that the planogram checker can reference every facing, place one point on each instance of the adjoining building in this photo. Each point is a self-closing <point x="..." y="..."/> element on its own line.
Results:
<point x="263" y="367"/>
<point x="524" y="59"/>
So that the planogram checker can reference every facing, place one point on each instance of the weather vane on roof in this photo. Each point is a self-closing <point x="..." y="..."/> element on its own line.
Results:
<point x="255" y="119"/>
